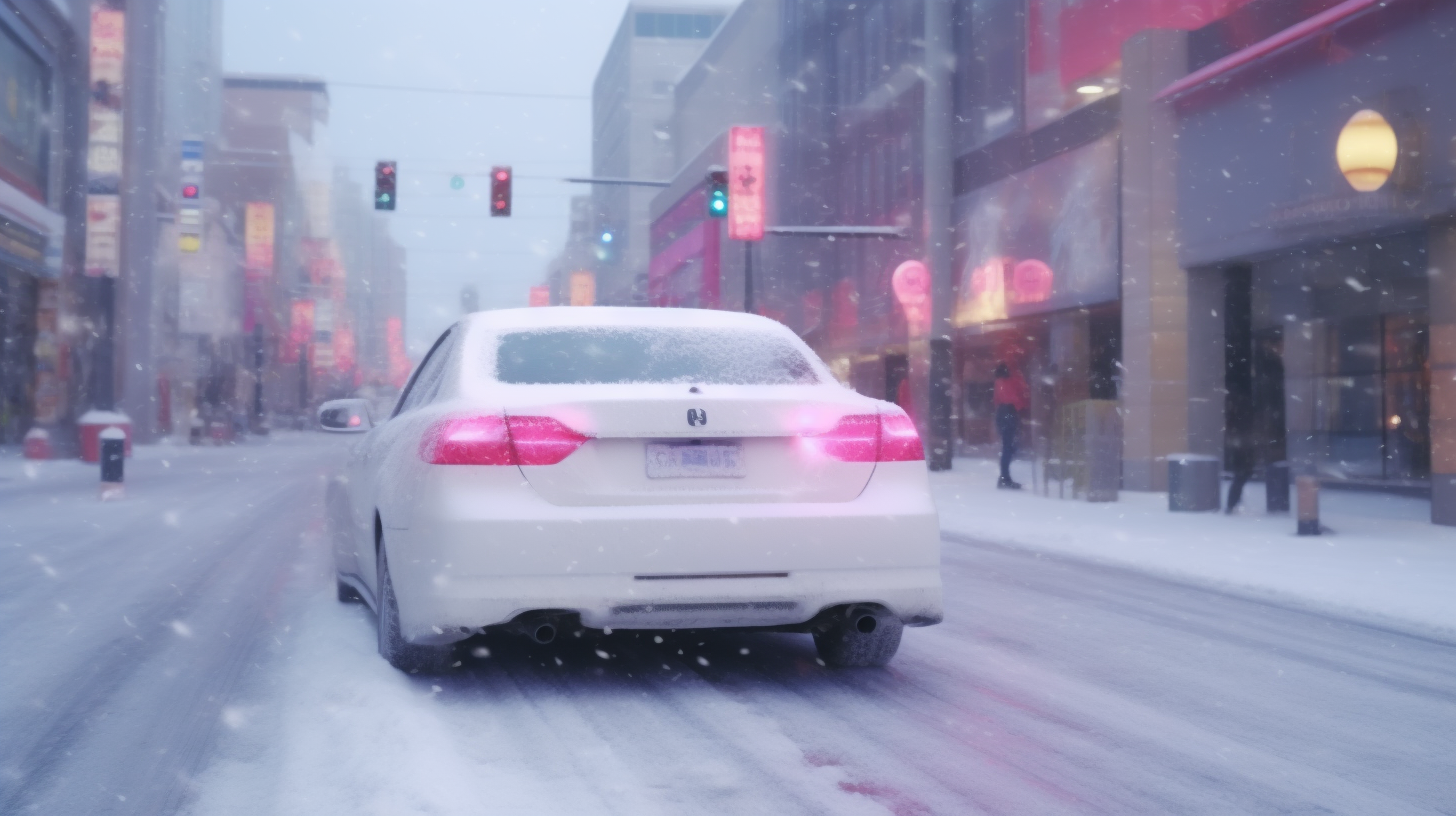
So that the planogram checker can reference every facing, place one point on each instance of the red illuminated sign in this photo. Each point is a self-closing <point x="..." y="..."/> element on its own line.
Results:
<point x="745" y="183"/>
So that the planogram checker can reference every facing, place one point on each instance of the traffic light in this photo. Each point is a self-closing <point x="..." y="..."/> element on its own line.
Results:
<point x="718" y="194"/>
<point x="191" y="191"/>
<point x="500" y="191"/>
<point x="385" y="186"/>
<point x="607" y="245"/>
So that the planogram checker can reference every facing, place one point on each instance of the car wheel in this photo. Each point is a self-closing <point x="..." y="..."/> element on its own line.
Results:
<point x="415" y="658"/>
<point x="347" y="593"/>
<point x="862" y="637"/>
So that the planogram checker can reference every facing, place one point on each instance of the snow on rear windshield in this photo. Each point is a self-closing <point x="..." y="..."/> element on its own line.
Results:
<point x="650" y="355"/>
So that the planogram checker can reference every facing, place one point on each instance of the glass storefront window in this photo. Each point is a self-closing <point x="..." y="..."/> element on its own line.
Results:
<point x="24" y="114"/>
<point x="1374" y="399"/>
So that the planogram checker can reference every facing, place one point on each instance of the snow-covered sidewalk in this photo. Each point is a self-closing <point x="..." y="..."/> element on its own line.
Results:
<point x="1384" y="560"/>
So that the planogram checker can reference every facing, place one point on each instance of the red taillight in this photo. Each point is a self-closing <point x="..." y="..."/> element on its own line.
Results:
<point x="871" y="438"/>
<point x="899" y="441"/>
<point x="493" y="440"/>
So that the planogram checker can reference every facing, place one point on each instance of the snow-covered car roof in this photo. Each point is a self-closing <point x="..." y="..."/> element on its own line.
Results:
<point x="541" y="317"/>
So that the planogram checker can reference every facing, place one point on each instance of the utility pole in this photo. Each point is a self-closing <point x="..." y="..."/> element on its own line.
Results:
<point x="939" y="63"/>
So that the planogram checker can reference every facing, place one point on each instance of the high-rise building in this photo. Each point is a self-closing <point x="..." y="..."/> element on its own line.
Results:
<point x="632" y="106"/>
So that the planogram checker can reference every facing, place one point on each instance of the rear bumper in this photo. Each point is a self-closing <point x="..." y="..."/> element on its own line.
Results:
<point x="487" y="548"/>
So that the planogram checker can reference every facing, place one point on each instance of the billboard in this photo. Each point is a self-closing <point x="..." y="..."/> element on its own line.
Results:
<point x="746" y="199"/>
<point x="103" y="147"/>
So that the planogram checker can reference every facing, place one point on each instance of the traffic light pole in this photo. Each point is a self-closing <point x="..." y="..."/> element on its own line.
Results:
<point x="939" y="59"/>
<point x="748" y="277"/>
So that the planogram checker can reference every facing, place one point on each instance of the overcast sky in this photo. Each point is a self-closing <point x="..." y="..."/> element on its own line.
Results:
<point x="549" y="48"/>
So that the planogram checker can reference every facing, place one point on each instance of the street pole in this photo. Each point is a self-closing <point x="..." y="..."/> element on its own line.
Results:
<point x="258" y="424"/>
<point x="748" y="277"/>
<point x="939" y="62"/>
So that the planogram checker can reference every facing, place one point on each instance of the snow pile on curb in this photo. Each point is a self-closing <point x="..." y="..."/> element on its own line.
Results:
<point x="1384" y="560"/>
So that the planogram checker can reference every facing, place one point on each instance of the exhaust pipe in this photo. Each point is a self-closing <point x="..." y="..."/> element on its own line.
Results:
<point x="865" y="623"/>
<point x="543" y="626"/>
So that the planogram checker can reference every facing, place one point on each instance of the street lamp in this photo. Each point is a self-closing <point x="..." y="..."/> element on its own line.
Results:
<point x="1366" y="150"/>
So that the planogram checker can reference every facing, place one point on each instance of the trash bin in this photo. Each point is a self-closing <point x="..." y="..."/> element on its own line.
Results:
<point x="1276" y="487"/>
<point x="1104" y="450"/>
<point x="1193" y="482"/>
<point x="90" y="426"/>
<point x="37" y="444"/>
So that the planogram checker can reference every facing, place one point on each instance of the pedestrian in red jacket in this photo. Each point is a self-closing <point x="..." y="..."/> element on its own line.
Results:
<point x="1011" y="397"/>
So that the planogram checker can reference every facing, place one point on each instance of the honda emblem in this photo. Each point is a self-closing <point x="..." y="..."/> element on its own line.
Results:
<point x="697" y="416"/>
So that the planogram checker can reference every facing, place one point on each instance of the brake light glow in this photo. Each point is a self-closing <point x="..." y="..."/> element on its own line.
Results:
<point x="542" y="440"/>
<point x="854" y="438"/>
<point x="871" y="438"/>
<point x="494" y="440"/>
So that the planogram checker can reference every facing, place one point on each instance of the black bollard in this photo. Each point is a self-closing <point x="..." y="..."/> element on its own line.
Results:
<point x="113" y="459"/>
<point x="1276" y="487"/>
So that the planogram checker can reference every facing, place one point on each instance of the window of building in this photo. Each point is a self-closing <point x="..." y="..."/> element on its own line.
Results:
<point x="1074" y="47"/>
<point x="988" y="75"/>
<point x="679" y="26"/>
<point x="24" y="115"/>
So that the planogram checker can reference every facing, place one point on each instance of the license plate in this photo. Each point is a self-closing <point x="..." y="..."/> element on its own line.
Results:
<point x="666" y="460"/>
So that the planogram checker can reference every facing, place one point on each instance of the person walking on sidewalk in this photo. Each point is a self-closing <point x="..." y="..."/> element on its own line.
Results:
<point x="1011" y="398"/>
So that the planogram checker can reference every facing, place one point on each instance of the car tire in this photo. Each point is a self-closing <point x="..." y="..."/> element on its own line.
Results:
<point x="846" y="644"/>
<point x="347" y="593"/>
<point x="414" y="658"/>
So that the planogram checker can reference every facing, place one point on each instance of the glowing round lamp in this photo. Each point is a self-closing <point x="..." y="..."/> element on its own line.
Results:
<point x="1366" y="151"/>
<point x="911" y="284"/>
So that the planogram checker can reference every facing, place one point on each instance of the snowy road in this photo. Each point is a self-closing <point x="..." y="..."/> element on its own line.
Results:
<point x="182" y="651"/>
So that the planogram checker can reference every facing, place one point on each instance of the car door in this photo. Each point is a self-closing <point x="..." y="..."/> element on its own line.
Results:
<point x="383" y="472"/>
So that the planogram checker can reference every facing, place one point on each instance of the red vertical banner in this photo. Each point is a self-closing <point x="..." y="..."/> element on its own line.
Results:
<point x="300" y="331"/>
<point x="746" y="198"/>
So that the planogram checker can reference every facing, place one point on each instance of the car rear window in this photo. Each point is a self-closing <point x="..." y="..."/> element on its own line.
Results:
<point x="650" y="355"/>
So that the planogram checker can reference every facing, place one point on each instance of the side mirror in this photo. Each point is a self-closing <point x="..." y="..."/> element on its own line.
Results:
<point x="345" y="416"/>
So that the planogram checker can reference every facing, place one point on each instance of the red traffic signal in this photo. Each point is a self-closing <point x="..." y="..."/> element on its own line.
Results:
<point x="190" y="191"/>
<point x="500" y="191"/>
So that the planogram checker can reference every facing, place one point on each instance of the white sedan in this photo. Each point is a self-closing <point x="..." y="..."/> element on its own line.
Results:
<point x="553" y="468"/>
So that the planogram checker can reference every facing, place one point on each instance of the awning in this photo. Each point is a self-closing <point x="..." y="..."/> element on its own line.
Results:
<point x="1297" y="33"/>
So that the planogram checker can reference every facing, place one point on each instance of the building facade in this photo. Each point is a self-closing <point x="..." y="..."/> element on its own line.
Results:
<point x="1151" y="220"/>
<point x="734" y="82"/>
<point x="1335" y="267"/>
<point x="632" y="106"/>
<point x="42" y="207"/>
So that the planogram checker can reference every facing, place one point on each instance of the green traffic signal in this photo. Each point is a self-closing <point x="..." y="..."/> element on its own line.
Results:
<point x="717" y="193"/>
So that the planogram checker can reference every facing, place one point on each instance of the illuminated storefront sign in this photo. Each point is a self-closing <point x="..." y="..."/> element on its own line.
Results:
<point x="911" y="282"/>
<point x="746" y="200"/>
<point x="540" y="296"/>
